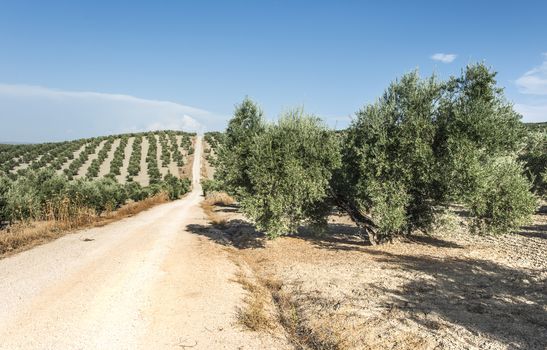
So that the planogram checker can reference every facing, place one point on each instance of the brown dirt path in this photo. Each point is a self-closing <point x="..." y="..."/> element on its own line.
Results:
<point x="141" y="283"/>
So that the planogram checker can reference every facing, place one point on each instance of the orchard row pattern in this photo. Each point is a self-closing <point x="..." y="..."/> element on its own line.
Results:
<point x="120" y="157"/>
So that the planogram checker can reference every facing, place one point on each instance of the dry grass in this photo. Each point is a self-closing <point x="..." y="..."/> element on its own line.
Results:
<point x="268" y="306"/>
<point x="219" y="198"/>
<point x="25" y="235"/>
<point x="253" y="314"/>
<point x="136" y="207"/>
<point x="300" y="333"/>
<point x="215" y="199"/>
<point x="449" y="291"/>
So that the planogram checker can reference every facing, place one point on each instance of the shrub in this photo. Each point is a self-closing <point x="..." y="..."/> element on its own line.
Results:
<point x="534" y="156"/>
<point x="100" y="195"/>
<point x="135" y="191"/>
<point x="175" y="187"/>
<point x="211" y="185"/>
<point x="503" y="201"/>
<point x="292" y="165"/>
<point x="422" y="145"/>
<point x="5" y="184"/>
<point x="22" y="201"/>
<point x="219" y="198"/>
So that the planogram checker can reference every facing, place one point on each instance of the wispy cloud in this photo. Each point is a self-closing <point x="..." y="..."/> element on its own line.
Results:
<point x="444" y="57"/>
<point x="35" y="113"/>
<point x="534" y="81"/>
<point x="533" y="86"/>
<point x="532" y="112"/>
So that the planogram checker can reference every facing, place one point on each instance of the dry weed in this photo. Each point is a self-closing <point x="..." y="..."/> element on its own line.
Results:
<point x="25" y="235"/>
<point x="267" y="304"/>
<point x="208" y="205"/>
<point x="219" y="198"/>
<point x="253" y="315"/>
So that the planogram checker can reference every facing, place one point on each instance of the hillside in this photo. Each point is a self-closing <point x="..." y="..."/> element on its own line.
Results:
<point x="136" y="157"/>
<point x="542" y="126"/>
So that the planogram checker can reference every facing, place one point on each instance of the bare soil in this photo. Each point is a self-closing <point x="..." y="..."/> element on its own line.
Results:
<point x="76" y="154"/>
<point x="83" y="169"/>
<point x="122" y="178"/>
<point x="145" y="282"/>
<point x="142" y="177"/>
<point x="452" y="290"/>
<point x="105" y="166"/>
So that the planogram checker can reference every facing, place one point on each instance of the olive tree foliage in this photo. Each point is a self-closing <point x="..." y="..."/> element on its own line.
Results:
<point x="477" y="146"/>
<point x="233" y="153"/>
<point x="502" y="201"/>
<point x="387" y="182"/>
<point x="424" y="144"/>
<point x="475" y="123"/>
<point x="291" y="164"/>
<point x="5" y="184"/>
<point x="44" y="195"/>
<point x="279" y="172"/>
<point x="534" y="156"/>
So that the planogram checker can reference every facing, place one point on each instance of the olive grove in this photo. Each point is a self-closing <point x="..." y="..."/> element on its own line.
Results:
<point x="423" y="145"/>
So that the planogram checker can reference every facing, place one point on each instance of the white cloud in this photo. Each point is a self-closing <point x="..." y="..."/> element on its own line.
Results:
<point x="35" y="113"/>
<point x="444" y="57"/>
<point x="534" y="81"/>
<point x="532" y="112"/>
<point x="184" y="123"/>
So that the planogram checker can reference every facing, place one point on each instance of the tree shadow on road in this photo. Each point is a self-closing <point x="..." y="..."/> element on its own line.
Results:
<point x="235" y="233"/>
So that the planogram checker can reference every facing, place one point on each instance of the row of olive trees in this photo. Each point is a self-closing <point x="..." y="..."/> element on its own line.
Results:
<point x="44" y="195"/>
<point x="425" y="144"/>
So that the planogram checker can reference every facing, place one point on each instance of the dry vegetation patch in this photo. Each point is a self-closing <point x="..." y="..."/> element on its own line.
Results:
<point x="25" y="235"/>
<point x="448" y="291"/>
<point x="213" y="200"/>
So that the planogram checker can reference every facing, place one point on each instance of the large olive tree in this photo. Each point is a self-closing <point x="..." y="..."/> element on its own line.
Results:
<point x="291" y="165"/>
<point x="387" y="182"/>
<point x="425" y="144"/>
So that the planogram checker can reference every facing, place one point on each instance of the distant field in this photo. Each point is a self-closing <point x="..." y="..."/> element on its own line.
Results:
<point x="139" y="157"/>
<point x="537" y="126"/>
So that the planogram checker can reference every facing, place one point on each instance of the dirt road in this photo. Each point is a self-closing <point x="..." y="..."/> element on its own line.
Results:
<point x="141" y="283"/>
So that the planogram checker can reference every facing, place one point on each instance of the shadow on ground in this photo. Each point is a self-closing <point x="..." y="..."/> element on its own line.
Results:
<point x="346" y="237"/>
<point x="537" y="231"/>
<point x="480" y="295"/>
<point x="489" y="300"/>
<point x="235" y="233"/>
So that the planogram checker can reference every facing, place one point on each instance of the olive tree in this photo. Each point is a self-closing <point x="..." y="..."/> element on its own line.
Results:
<point x="233" y="153"/>
<point x="503" y="200"/>
<point x="425" y="144"/>
<point x="475" y="123"/>
<point x="291" y="164"/>
<point x="5" y="184"/>
<point x="534" y="156"/>
<point x="387" y="182"/>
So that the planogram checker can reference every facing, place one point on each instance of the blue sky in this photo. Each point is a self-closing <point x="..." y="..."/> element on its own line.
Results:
<point x="70" y="69"/>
